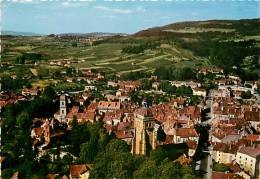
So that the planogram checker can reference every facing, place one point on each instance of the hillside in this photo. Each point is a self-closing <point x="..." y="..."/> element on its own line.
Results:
<point x="243" y="27"/>
<point x="184" y="44"/>
<point x="15" y="33"/>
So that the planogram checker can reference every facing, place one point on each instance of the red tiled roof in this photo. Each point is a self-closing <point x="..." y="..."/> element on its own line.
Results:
<point x="191" y="144"/>
<point x="186" y="132"/>
<point x="124" y="134"/>
<point x="169" y="139"/>
<point x="253" y="137"/>
<point x="106" y="104"/>
<point x="144" y="112"/>
<point x="252" y="115"/>
<point x="251" y="151"/>
<point x="222" y="175"/>
<point x="38" y="131"/>
<point x="77" y="170"/>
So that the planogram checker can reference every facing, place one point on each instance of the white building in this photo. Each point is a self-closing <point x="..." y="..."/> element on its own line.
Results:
<point x="249" y="160"/>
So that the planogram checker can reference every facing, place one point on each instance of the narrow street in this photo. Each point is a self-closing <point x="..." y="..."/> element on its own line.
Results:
<point x="207" y="163"/>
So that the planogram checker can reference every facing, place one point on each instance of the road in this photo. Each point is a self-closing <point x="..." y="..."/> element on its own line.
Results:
<point x="206" y="163"/>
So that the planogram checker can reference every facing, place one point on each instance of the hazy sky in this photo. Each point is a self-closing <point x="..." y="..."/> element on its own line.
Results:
<point x="47" y="17"/>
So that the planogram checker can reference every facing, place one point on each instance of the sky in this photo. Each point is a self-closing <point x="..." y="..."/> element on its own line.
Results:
<point x="47" y="16"/>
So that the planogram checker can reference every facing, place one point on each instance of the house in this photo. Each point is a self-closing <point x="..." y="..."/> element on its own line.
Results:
<point x="81" y="117"/>
<point x="249" y="160"/>
<point x="184" y="134"/>
<point x="192" y="145"/>
<point x="224" y="175"/>
<point x="128" y="86"/>
<point x="191" y="84"/>
<point x="30" y="92"/>
<point x="112" y="83"/>
<point x="253" y="138"/>
<point x="104" y="106"/>
<point x="16" y="175"/>
<point x="125" y="135"/>
<point x="178" y="102"/>
<point x="253" y="117"/>
<point x="225" y="135"/>
<point x="199" y="92"/>
<point x="124" y="99"/>
<point x="80" y="171"/>
<point x="220" y="93"/>
<point x="155" y="85"/>
<point x="90" y="88"/>
<point x="85" y="95"/>
<point x="224" y="153"/>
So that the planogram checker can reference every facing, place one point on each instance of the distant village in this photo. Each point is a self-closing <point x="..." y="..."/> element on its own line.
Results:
<point x="232" y="120"/>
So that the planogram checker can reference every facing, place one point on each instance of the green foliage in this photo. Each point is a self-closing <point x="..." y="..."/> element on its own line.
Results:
<point x="136" y="49"/>
<point x="136" y="98"/>
<point x="114" y="162"/>
<point x="161" y="136"/>
<point x="94" y="140"/>
<point x="78" y="135"/>
<point x="31" y="57"/>
<point x="219" y="167"/>
<point x="7" y="173"/>
<point x="172" y="73"/>
<point x="69" y="87"/>
<point x="88" y="151"/>
<point x="170" y="170"/>
<point x="74" y="44"/>
<point x="14" y="85"/>
<point x="16" y="131"/>
<point x="167" y="87"/>
<point x="230" y="53"/>
<point x="258" y="89"/>
<point x="148" y="169"/>
<point x="146" y="84"/>
<point x="135" y="75"/>
<point x="49" y="92"/>
<point x="70" y="71"/>
<point x="184" y="90"/>
<point x="246" y="95"/>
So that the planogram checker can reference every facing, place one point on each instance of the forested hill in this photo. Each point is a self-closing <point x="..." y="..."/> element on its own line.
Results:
<point x="243" y="27"/>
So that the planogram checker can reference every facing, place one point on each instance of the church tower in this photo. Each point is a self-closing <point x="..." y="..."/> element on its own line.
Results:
<point x="63" y="109"/>
<point x="144" y="133"/>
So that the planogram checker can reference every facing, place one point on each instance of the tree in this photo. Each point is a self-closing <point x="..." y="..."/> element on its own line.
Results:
<point x="246" y="95"/>
<point x="88" y="151"/>
<point x="79" y="134"/>
<point x="74" y="44"/>
<point x="220" y="167"/>
<point x="258" y="89"/>
<point x="166" y="86"/>
<point x="158" y="155"/>
<point x="49" y="92"/>
<point x="170" y="169"/>
<point x="148" y="169"/>
<point x="114" y="162"/>
<point x="146" y="84"/>
<point x="116" y="145"/>
<point x="184" y="90"/>
<point x="161" y="136"/>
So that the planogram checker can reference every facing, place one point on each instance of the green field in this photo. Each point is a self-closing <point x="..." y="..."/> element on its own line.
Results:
<point x="106" y="57"/>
